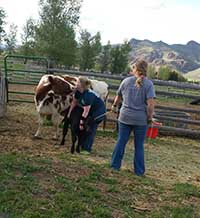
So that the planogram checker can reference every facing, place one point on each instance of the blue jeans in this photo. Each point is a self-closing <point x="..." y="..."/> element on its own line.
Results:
<point x="90" y="137"/>
<point x="123" y="137"/>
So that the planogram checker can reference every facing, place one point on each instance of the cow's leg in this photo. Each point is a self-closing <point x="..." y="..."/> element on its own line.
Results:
<point x="65" y="130"/>
<point x="56" y="123"/>
<point x="40" y="123"/>
<point x="104" y="122"/>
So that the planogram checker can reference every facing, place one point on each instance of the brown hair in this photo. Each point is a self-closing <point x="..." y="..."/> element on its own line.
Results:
<point x="141" y="68"/>
<point x="85" y="82"/>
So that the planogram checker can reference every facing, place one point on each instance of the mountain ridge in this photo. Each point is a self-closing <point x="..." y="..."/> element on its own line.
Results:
<point x="181" y="57"/>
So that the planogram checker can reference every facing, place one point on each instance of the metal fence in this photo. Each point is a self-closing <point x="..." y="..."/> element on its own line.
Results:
<point x="3" y="94"/>
<point x="19" y="74"/>
<point x="173" y="118"/>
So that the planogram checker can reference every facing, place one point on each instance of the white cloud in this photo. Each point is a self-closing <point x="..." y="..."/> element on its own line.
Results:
<point x="152" y="19"/>
<point x="18" y="11"/>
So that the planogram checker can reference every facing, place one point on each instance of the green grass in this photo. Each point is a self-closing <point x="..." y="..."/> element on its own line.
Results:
<point x="39" y="180"/>
<point x="41" y="187"/>
<point x="187" y="190"/>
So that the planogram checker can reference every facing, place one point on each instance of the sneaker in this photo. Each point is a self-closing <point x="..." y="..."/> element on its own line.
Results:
<point x="84" y="152"/>
<point x="114" y="170"/>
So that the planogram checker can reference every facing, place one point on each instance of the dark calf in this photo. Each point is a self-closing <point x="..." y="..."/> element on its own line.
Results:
<point x="76" y="133"/>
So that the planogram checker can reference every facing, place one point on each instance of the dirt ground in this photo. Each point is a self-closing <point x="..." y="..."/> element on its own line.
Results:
<point x="170" y="159"/>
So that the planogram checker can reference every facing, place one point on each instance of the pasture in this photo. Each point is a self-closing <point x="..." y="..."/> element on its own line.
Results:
<point x="39" y="179"/>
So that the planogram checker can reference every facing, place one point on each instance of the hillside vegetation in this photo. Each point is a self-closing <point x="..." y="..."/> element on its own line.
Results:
<point x="193" y="75"/>
<point x="183" y="58"/>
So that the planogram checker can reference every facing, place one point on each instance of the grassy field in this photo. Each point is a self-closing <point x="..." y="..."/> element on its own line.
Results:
<point x="193" y="75"/>
<point x="40" y="179"/>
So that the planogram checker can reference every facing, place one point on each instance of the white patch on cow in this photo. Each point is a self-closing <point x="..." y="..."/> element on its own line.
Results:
<point x="54" y="108"/>
<point x="100" y="87"/>
<point x="45" y="80"/>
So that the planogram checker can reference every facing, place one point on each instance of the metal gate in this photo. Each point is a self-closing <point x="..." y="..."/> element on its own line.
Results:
<point x="2" y="94"/>
<point x="22" y="74"/>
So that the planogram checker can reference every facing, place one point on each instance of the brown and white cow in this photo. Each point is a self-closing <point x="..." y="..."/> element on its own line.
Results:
<point x="52" y="97"/>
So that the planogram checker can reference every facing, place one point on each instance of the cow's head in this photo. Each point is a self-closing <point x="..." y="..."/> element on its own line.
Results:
<point x="71" y="79"/>
<point x="61" y="86"/>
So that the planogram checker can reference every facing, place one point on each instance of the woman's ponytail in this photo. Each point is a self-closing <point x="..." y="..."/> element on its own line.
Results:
<point x="141" y="69"/>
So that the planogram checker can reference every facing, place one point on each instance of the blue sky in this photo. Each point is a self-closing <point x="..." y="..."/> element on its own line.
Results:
<point x="172" y="21"/>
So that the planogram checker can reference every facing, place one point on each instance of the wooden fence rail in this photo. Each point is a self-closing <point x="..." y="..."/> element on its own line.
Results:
<point x="173" y="131"/>
<point x="164" y="93"/>
<point x="181" y="85"/>
<point x="187" y="110"/>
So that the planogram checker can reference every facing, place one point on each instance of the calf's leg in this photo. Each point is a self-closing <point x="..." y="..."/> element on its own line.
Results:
<point x="65" y="130"/>
<point x="74" y="138"/>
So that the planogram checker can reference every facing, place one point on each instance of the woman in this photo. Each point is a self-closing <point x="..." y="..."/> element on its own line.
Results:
<point x="93" y="106"/>
<point x="137" y="95"/>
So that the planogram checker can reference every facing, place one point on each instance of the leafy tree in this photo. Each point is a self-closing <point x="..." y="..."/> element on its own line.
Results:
<point x="55" y="35"/>
<point x="89" y="49"/>
<point x="166" y="73"/>
<point x="152" y="72"/>
<point x="28" y="38"/>
<point x="2" y="22"/>
<point x="104" y="60"/>
<point x="11" y="39"/>
<point x="120" y="58"/>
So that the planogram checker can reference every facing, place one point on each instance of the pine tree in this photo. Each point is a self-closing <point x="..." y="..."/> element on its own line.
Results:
<point x="11" y="38"/>
<point x="55" y="35"/>
<point x="89" y="49"/>
<point x="105" y="58"/>
<point x="2" y="22"/>
<point x="28" y="37"/>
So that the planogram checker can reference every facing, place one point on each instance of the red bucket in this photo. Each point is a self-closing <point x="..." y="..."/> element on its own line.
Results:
<point x="152" y="131"/>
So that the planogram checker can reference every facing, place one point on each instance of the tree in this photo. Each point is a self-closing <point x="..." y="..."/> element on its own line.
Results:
<point x="152" y="73"/>
<point x="28" y="37"/>
<point x="166" y="73"/>
<point x="104" y="60"/>
<point x="120" y="58"/>
<point x="55" y="35"/>
<point x="11" y="39"/>
<point x="2" y="22"/>
<point x="89" y="49"/>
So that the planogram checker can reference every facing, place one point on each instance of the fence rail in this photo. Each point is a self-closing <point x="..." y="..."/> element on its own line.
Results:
<point x="165" y="93"/>
<point x="31" y="77"/>
<point x="181" y="85"/>
<point x="173" y="131"/>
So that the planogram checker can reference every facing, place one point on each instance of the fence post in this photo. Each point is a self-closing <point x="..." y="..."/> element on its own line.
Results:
<point x="3" y="94"/>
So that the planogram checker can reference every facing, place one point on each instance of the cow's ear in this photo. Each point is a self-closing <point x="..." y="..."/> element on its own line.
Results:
<point x="73" y="88"/>
<point x="51" y="80"/>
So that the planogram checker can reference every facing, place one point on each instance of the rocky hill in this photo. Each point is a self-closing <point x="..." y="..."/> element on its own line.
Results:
<point x="183" y="58"/>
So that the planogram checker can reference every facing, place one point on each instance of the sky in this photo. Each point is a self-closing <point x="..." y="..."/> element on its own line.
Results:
<point x="171" y="21"/>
